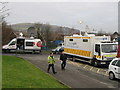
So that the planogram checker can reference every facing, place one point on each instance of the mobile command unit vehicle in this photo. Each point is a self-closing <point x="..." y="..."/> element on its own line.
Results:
<point x="95" y="49"/>
<point x="114" y="67"/>
<point x="25" y="44"/>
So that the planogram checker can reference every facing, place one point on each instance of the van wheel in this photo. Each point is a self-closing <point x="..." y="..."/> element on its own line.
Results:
<point x="111" y="76"/>
<point x="7" y="51"/>
<point x="4" y="51"/>
<point x="33" y="52"/>
<point x="40" y="52"/>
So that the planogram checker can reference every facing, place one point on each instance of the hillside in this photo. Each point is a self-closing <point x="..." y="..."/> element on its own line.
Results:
<point x="21" y="26"/>
<point x="25" y="26"/>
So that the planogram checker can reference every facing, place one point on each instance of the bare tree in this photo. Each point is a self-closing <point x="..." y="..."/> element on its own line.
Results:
<point x="38" y="27"/>
<point x="3" y="11"/>
<point x="6" y="30"/>
<point x="46" y="32"/>
<point x="7" y="33"/>
<point x="43" y="31"/>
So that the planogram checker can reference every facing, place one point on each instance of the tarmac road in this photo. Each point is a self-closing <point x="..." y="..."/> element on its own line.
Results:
<point x="73" y="76"/>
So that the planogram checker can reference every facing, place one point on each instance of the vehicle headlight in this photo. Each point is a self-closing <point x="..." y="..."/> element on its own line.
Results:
<point x="104" y="58"/>
<point x="4" y="47"/>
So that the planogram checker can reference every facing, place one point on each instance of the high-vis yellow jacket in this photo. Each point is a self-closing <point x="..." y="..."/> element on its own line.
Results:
<point x="51" y="60"/>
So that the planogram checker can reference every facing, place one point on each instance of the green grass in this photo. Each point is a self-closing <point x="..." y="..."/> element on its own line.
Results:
<point x="18" y="73"/>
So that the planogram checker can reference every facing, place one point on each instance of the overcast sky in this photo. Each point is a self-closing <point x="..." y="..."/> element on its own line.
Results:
<point x="96" y="15"/>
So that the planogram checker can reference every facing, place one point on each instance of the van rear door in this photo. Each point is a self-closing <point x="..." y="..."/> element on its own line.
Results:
<point x="20" y="44"/>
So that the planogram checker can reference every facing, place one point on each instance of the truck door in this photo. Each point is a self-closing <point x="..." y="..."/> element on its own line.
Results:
<point x="97" y="50"/>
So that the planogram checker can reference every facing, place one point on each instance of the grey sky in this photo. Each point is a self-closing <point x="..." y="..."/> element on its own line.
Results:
<point x="96" y="15"/>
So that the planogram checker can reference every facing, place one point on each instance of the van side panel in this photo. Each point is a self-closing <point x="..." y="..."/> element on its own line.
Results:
<point x="32" y="44"/>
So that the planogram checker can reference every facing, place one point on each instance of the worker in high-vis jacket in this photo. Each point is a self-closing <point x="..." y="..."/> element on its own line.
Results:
<point x="51" y="62"/>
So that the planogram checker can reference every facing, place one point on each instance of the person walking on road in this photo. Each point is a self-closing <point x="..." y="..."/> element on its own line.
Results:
<point x="63" y="59"/>
<point x="51" y="62"/>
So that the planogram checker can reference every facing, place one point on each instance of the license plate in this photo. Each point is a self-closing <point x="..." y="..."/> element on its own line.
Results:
<point x="103" y="63"/>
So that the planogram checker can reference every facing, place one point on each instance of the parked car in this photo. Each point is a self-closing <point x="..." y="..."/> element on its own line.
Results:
<point x="114" y="69"/>
<point x="61" y="49"/>
<point x="58" y="49"/>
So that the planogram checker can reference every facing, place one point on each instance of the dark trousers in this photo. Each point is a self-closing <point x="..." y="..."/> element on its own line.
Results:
<point x="51" y="65"/>
<point x="63" y="64"/>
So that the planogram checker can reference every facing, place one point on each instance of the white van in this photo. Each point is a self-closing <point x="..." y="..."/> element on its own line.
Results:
<point x="22" y="43"/>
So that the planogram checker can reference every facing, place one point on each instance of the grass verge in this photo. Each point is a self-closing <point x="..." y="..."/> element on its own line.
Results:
<point x="18" y="73"/>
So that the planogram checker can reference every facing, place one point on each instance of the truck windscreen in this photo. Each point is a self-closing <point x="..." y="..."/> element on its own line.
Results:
<point x="109" y="48"/>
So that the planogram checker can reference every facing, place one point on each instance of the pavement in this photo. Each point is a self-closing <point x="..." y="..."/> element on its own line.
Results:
<point x="74" y="76"/>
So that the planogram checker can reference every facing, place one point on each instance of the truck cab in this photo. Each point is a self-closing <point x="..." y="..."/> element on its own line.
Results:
<point x="105" y="51"/>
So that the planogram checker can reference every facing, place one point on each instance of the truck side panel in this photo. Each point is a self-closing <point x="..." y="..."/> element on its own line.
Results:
<point x="78" y="46"/>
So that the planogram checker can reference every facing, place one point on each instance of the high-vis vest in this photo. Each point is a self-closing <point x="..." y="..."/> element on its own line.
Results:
<point x="51" y="60"/>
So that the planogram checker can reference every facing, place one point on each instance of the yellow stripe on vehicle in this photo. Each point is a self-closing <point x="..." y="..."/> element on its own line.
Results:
<point x="112" y="55"/>
<point x="77" y="52"/>
<point x="98" y="56"/>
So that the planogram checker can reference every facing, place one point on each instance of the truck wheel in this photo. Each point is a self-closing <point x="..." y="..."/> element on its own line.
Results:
<point x="54" y="52"/>
<point x="111" y="76"/>
<point x="92" y="62"/>
<point x="73" y="59"/>
<point x="97" y="64"/>
<point x="107" y="63"/>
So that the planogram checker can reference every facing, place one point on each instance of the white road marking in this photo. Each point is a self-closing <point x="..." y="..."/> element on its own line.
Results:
<point x="91" y="68"/>
<point x="98" y="70"/>
<point x="85" y="66"/>
<point x="109" y="86"/>
<point x="106" y="73"/>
